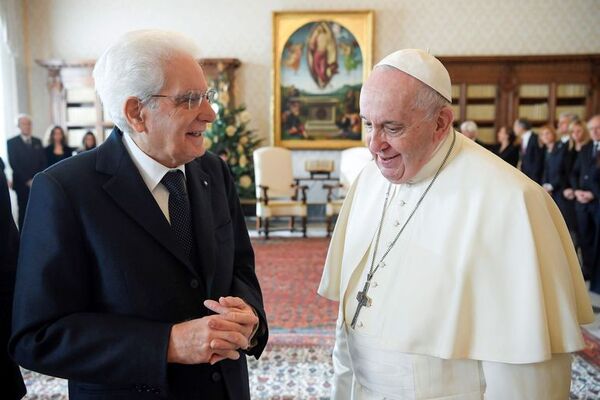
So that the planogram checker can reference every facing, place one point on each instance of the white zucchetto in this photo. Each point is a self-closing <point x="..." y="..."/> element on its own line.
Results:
<point x="422" y="66"/>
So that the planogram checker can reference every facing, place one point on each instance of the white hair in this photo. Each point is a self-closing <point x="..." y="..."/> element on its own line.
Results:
<point x="468" y="126"/>
<point x="429" y="99"/>
<point x="21" y="116"/>
<point x="134" y="66"/>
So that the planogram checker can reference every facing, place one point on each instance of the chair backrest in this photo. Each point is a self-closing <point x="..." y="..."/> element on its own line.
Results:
<point x="352" y="162"/>
<point x="273" y="168"/>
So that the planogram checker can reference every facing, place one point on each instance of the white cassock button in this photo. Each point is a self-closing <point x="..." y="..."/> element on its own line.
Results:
<point x="402" y="203"/>
<point x="360" y="324"/>
<point x="396" y="223"/>
<point x="374" y="284"/>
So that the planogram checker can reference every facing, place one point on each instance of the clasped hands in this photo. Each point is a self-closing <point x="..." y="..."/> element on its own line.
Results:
<point x="582" y="196"/>
<point x="215" y="337"/>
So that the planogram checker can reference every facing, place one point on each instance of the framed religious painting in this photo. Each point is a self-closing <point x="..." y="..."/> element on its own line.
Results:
<point x="320" y="60"/>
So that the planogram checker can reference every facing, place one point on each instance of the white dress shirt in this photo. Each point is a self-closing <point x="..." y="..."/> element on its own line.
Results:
<point x="525" y="141"/>
<point x="152" y="173"/>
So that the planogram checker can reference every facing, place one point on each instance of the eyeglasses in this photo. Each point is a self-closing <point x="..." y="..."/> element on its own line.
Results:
<point x="192" y="99"/>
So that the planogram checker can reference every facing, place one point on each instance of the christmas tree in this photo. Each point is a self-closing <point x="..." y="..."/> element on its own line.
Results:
<point x="230" y="138"/>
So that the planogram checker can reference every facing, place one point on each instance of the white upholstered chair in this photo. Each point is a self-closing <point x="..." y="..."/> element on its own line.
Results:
<point x="352" y="161"/>
<point x="277" y="195"/>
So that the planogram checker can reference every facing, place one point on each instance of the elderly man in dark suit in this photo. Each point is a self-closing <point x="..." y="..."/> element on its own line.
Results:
<point x="136" y="279"/>
<point x="26" y="158"/>
<point x="12" y="381"/>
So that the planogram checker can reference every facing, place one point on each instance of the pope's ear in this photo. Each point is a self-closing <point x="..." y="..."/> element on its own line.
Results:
<point x="444" y="120"/>
<point x="133" y="114"/>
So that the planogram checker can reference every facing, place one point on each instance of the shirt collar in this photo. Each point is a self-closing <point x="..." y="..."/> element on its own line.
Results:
<point x="431" y="167"/>
<point x="151" y="170"/>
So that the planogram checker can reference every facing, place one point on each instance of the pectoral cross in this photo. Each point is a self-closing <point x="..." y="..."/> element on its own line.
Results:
<point x="363" y="301"/>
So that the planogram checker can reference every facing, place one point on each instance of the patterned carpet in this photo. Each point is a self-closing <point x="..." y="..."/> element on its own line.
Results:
<point x="289" y="271"/>
<point x="297" y="361"/>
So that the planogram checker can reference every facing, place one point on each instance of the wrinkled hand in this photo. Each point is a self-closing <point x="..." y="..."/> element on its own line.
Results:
<point x="236" y="315"/>
<point x="205" y="340"/>
<point x="235" y="310"/>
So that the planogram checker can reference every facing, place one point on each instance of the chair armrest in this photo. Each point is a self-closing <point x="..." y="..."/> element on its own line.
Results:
<point x="330" y="187"/>
<point x="302" y="188"/>
<point x="264" y="197"/>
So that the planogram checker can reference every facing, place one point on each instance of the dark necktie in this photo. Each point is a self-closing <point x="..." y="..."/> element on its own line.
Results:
<point x="179" y="209"/>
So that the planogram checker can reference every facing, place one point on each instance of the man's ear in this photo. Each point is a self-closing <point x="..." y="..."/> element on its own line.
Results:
<point x="133" y="114"/>
<point x="444" y="120"/>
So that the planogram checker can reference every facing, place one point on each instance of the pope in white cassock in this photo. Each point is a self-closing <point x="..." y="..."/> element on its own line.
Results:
<point x="455" y="273"/>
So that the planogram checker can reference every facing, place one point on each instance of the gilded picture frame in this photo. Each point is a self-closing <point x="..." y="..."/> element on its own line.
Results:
<point x="320" y="60"/>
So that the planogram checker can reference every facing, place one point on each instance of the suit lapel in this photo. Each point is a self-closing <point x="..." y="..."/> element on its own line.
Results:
<point x="128" y="190"/>
<point x="199" y="188"/>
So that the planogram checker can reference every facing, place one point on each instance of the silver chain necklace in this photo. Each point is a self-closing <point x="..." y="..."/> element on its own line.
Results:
<point x="361" y="296"/>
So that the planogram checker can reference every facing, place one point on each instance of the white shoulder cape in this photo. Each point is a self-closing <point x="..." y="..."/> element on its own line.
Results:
<point x="499" y="279"/>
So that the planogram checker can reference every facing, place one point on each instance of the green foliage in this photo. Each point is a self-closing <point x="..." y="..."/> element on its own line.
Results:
<point x="230" y="138"/>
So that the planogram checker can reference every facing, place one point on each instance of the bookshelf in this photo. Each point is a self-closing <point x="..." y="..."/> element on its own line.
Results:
<point x="75" y="106"/>
<point x="493" y="91"/>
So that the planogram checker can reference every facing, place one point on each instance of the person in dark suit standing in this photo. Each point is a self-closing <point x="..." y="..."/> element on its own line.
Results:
<point x="12" y="381"/>
<point x="137" y="279"/>
<point x="26" y="157"/>
<point x="532" y="153"/>
<point x="586" y="200"/>
<point x="556" y="159"/>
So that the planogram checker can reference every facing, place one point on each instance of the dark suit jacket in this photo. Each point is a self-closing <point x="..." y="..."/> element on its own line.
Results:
<point x="25" y="161"/>
<point x="510" y="154"/>
<point x="584" y="169"/>
<point x="532" y="162"/>
<point x="52" y="158"/>
<point x="12" y="382"/>
<point x="554" y="168"/>
<point x="102" y="279"/>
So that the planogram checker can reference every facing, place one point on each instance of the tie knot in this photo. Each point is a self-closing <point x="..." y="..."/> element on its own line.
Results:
<point x="174" y="182"/>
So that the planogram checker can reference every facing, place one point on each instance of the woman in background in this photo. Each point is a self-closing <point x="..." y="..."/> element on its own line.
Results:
<point x="507" y="149"/>
<point x="580" y="136"/>
<point x="88" y="142"/>
<point x="57" y="148"/>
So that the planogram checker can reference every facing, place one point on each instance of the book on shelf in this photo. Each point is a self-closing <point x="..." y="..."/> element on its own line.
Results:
<point x="486" y="134"/>
<point x="481" y="111"/>
<point x="455" y="91"/>
<point x="535" y="112"/>
<point x="482" y="91"/>
<point x="571" y="90"/>
<point x="577" y="110"/>
<point x="530" y="90"/>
